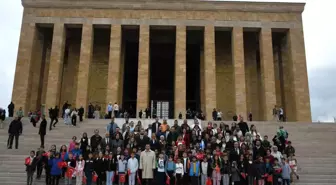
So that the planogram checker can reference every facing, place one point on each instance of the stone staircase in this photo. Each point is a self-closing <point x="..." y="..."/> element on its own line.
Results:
<point x="314" y="144"/>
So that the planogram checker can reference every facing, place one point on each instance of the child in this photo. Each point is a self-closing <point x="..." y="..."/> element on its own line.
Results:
<point x="235" y="176"/>
<point x="80" y="170"/>
<point x="30" y="163"/>
<point x="216" y="168"/>
<point x="88" y="169"/>
<point x="226" y="170"/>
<point x="56" y="170"/>
<point x="170" y="170"/>
<point x="110" y="169"/>
<point x="121" y="169"/>
<point x="194" y="170"/>
<point x="160" y="175"/>
<point x="186" y="165"/>
<point x="293" y="164"/>
<point x="100" y="168"/>
<point x="286" y="171"/>
<point x="277" y="172"/>
<point x="205" y="171"/>
<point x="132" y="168"/>
<point x="71" y="164"/>
<point x="265" y="143"/>
<point x="179" y="172"/>
<point x="269" y="172"/>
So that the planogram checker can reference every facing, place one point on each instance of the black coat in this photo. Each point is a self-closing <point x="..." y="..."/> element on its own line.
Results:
<point x="154" y="126"/>
<point x="142" y="142"/>
<point x="95" y="141"/>
<point x="32" y="166"/>
<point x="234" y="156"/>
<point x="43" y="127"/>
<point x="81" y="111"/>
<point x="258" y="152"/>
<point x="111" y="164"/>
<point x="243" y="127"/>
<point x="103" y="143"/>
<point x="99" y="165"/>
<point x="15" y="127"/>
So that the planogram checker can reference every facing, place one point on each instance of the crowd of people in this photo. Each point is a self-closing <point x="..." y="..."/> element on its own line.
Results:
<point x="174" y="155"/>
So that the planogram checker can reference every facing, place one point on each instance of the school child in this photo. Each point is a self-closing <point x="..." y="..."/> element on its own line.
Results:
<point x="277" y="180"/>
<point x="226" y="170"/>
<point x="186" y="166"/>
<point x="216" y="168"/>
<point x="293" y="164"/>
<point x="160" y="175"/>
<point x="132" y="168"/>
<point x="89" y="169"/>
<point x="80" y="165"/>
<point x="269" y="172"/>
<point x="71" y="164"/>
<point x="205" y="171"/>
<point x="170" y="170"/>
<point x="99" y="168"/>
<point x="235" y="174"/>
<point x="56" y="169"/>
<point x="39" y="166"/>
<point x="194" y="170"/>
<point x="179" y="172"/>
<point x="110" y="168"/>
<point x="30" y="163"/>
<point x="121" y="169"/>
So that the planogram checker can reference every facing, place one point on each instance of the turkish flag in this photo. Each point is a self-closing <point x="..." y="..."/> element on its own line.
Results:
<point x="94" y="177"/>
<point x="122" y="178"/>
<point x="27" y="161"/>
<point x="84" y="180"/>
<point x="168" y="180"/>
<point x="70" y="171"/>
<point x="139" y="180"/>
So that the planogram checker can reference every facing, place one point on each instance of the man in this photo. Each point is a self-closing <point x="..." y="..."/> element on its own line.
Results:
<point x="281" y="114"/>
<point x="43" y="130"/>
<point x="11" y="107"/>
<point x="147" y="164"/>
<point x="14" y="130"/>
<point x="125" y="125"/>
<point x="147" y="111"/>
<point x="275" y="113"/>
<point x="111" y="128"/>
<point x="235" y="152"/>
<point x="2" y="117"/>
<point x="156" y="126"/>
<point x="95" y="140"/>
<point x="19" y="113"/>
<point x="142" y="140"/>
<point x="81" y="113"/>
<point x="258" y="150"/>
<point x="90" y="111"/>
<point x="243" y="126"/>
<point x="214" y="114"/>
<point x="116" y="110"/>
<point x="106" y="141"/>
<point x="109" y="109"/>
<point x="54" y="117"/>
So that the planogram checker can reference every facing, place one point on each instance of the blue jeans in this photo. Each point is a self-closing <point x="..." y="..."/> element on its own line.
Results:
<point x="285" y="181"/>
<point x="88" y="175"/>
<point x="109" y="176"/>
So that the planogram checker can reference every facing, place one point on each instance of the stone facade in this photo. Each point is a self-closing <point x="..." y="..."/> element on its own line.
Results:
<point x="239" y="73"/>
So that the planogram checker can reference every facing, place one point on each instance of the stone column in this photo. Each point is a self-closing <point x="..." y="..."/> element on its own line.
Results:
<point x="180" y="71"/>
<point x="20" y="95"/>
<point x="297" y="57"/>
<point x="55" y="66"/>
<point x="113" y="82"/>
<point x="143" y="69"/>
<point x="209" y="71"/>
<point x="84" y="66"/>
<point x="268" y="94"/>
<point x="239" y="70"/>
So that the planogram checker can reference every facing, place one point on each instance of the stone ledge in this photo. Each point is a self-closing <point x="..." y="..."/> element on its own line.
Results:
<point x="169" y="5"/>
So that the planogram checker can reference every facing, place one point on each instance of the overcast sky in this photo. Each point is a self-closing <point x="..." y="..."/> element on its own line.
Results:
<point x="319" y="29"/>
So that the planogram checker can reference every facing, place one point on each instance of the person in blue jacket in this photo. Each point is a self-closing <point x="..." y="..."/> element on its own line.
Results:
<point x="76" y="152"/>
<point x="194" y="171"/>
<point x="55" y="171"/>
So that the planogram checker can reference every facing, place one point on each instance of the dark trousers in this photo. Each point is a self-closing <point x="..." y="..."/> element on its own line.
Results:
<point x="185" y="179"/>
<point x="55" y="179"/>
<point x="172" y="177"/>
<point x="39" y="169"/>
<point x="88" y="175"/>
<point x="10" y="140"/>
<point x="80" y="118"/>
<point x="74" y="120"/>
<point x="160" y="178"/>
<point x="101" y="178"/>
<point x="52" y="120"/>
<point x="285" y="181"/>
<point x="109" y="114"/>
<point x="30" y="177"/>
<point x="48" y="176"/>
<point x="10" y="113"/>
<point x="42" y="139"/>
<point x="116" y="113"/>
<point x="178" y="179"/>
<point x="194" y="179"/>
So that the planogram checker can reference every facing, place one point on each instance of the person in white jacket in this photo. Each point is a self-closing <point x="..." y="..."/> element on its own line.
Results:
<point x="132" y="167"/>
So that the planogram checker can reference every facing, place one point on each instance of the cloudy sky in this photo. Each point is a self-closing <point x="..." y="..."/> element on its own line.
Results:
<point x="319" y="28"/>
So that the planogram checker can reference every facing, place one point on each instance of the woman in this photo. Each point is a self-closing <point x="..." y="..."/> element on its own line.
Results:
<point x="43" y="130"/>
<point x="84" y="143"/>
<point x="99" y="168"/>
<point x="186" y="137"/>
<point x="110" y="166"/>
<point x="216" y="168"/>
<point x="235" y="174"/>
<point x="162" y="143"/>
<point x="56" y="170"/>
<point x="154" y="144"/>
<point x="80" y="165"/>
<point x="132" y="143"/>
<point x="254" y="132"/>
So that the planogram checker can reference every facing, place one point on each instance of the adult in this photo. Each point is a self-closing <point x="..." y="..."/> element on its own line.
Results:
<point x="81" y="113"/>
<point x="11" y="107"/>
<point x="147" y="164"/>
<point x="65" y="106"/>
<point x="2" y="117"/>
<point x="90" y="111"/>
<point x="95" y="140"/>
<point x="116" y="110"/>
<point x="54" y="117"/>
<point x="14" y="130"/>
<point x="109" y="109"/>
<point x="243" y="126"/>
<point x="214" y="114"/>
<point x="43" y="130"/>
<point x="111" y="127"/>
<point x="281" y="114"/>
<point x="156" y="125"/>
<point x="19" y="113"/>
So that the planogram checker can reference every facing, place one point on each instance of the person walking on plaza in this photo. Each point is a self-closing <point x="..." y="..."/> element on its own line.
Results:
<point x="14" y="130"/>
<point x="116" y="110"/>
<point x="43" y="130"/>
<point x="74" y="114"/>
<point x="11" y="107"/>
<point x="66" y="116"/>
<point x="54" y="115"/>
<point x="81" y="113"/>
<point x="2" y="117"/>
<point x="109" y="110"/>
<point x="19" y="113"/>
